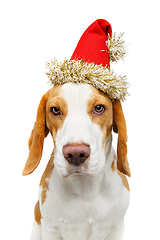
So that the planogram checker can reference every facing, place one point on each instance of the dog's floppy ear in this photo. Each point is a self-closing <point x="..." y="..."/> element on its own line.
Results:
<point x="39" y="132"/>
<point x="119" y="126"/>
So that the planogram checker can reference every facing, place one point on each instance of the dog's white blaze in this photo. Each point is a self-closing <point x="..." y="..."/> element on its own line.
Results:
<point x="78" y="128"/>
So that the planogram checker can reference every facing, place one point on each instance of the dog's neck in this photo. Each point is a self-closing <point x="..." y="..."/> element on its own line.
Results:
<point x="85" y="186"/>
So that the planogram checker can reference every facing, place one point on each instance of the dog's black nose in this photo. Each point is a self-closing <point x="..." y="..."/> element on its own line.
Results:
<point x="76" y="153"/>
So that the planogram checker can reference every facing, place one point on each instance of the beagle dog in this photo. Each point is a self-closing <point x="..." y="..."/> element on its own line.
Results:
<point x="83" y="192"/>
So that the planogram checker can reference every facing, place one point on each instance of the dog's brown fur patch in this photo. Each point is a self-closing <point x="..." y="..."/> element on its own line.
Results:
<point x="37" y="214"/>
<point x="44" y="179"/>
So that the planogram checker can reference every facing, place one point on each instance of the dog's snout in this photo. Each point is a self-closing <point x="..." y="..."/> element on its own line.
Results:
<point x="76" y="154"/>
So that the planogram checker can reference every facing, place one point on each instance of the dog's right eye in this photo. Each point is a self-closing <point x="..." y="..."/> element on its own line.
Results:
<point x="55" y="110"/>
<point x="99" y="109"/>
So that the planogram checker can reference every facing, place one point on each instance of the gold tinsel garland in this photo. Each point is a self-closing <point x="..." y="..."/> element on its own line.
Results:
<point x="78" y="71"/>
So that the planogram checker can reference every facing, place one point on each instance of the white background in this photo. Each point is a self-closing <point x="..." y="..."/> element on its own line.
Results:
<point x="35" y="31"/>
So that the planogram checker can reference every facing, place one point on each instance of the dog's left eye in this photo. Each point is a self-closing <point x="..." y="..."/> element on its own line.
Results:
<point x="55" y="110"/>
<point x="99" y="109"/>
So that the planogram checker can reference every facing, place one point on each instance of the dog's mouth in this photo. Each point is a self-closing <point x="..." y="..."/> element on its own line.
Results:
<point x="77" y="170"/>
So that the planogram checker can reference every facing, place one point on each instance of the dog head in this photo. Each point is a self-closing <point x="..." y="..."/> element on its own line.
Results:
<point x="80" y="119"/>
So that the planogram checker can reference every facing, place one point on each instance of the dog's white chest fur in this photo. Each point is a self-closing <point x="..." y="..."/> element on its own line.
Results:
<point x="85" y="209"/>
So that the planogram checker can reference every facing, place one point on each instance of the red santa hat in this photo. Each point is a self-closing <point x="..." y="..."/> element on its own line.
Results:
<point x="90" y="61"/>
<point x="92" y="47"/>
